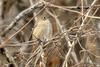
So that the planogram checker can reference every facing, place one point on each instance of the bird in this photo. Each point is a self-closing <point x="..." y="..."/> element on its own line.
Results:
<point x="43" y="28"/>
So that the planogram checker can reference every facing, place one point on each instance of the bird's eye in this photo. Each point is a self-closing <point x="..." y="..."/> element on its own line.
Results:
<point x="44" y="18"/>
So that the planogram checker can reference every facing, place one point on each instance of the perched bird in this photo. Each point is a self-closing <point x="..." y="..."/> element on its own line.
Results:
<point x="43" y="28"/>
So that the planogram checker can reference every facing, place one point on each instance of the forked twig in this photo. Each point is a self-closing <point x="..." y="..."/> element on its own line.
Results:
<point x="21" y="15"/>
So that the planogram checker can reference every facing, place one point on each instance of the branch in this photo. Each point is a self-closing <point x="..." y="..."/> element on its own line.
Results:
<point x="21" y="15"/>
<point x="70" y="10"/>
<point x="3" y="44"/>
<point x="87" y="14"/>
<point x="1" y="12"/>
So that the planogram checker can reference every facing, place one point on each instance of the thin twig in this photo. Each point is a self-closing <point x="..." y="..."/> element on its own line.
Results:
<point x="60" y="7"/>
<point x="37" y="51"/>
<point x="4" y="43"/>
<point x="62" y="30"/>
<point x="21" y="15"/>
<point x="87" y="14"/>
<point x="67" y="56"/>
<point x="1" y="9"/>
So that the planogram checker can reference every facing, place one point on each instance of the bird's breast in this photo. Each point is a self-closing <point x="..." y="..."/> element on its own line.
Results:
<point x="42" y="30"/>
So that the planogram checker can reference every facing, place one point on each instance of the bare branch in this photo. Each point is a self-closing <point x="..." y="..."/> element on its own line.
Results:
<point x="70" y="10"/>
<point x="21" y="15"/>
